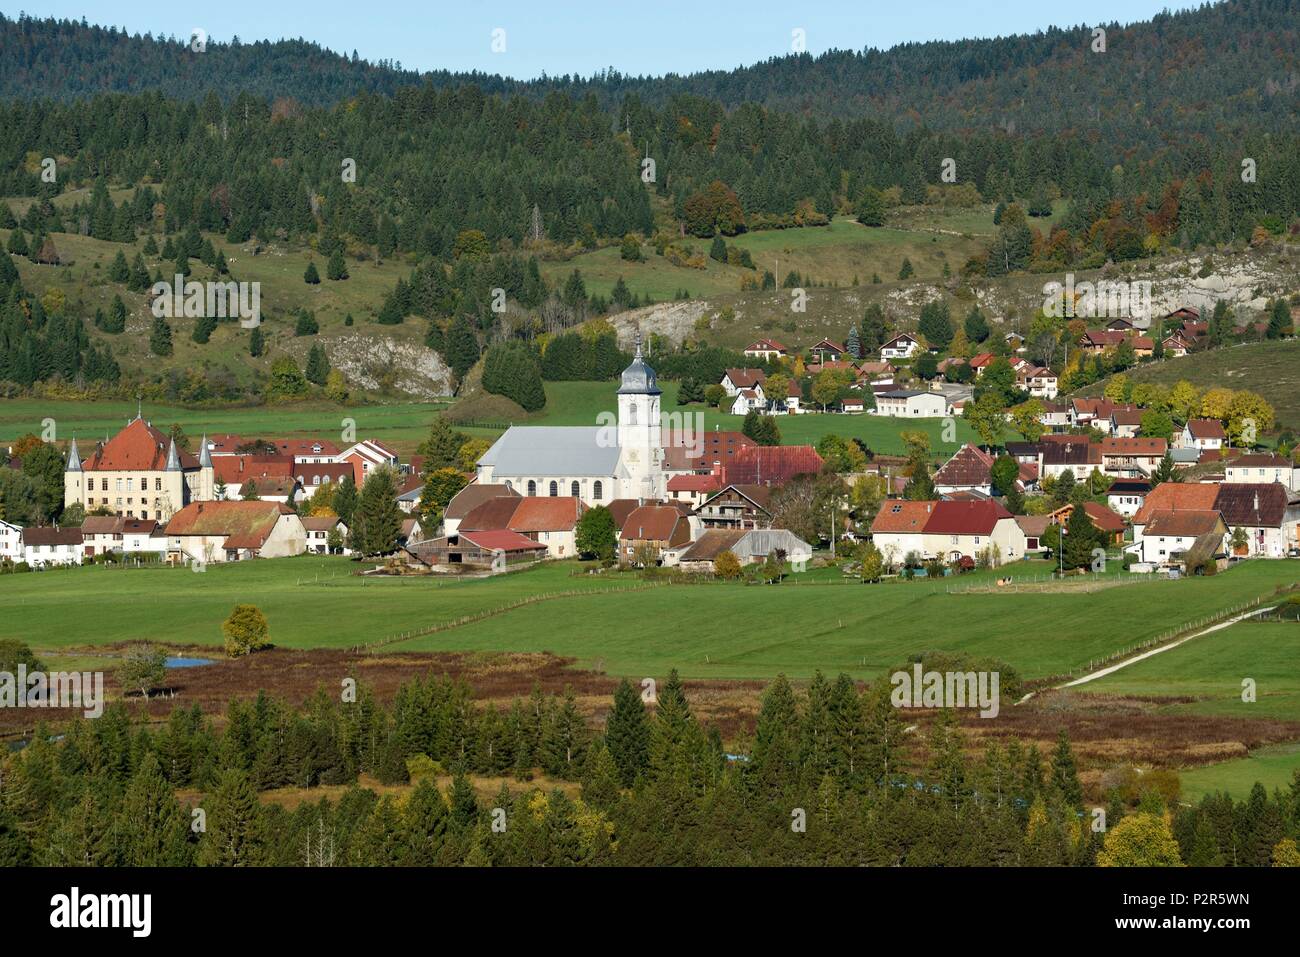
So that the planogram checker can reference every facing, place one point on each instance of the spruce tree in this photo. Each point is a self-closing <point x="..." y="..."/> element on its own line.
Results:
<point x="311" y="277"/>
<point x="377" y="517"/>
<point x="627" y="733"/>
<point x="318" y="366"/>
<point x="160" y="337"/>
<point x="336" y="268"/>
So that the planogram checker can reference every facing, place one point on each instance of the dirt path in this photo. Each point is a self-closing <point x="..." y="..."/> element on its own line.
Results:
<point x="1111" y="669"/>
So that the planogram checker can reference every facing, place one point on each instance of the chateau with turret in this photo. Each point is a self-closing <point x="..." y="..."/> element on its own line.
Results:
<point x="138" y="473"/>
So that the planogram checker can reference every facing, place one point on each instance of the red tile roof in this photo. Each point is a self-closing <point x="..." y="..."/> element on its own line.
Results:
<point x="694" y="483"/>
<point x="1176" y="496"/>
<point x="772" y="464"/>
<point x="1183" y="523"/>
<point x="244" y="524"/>
<point x="49" y="535"/>
<point x="653" y="523"/>
<point x="238" y="469"/>
<point x="969" y="466"/>
<point x="137" y="448"/>
<point x="1135" y="445"/>
<point x="1104" y="518"/>
<point x="901" y="515"/>
<point x="474" y="495"/>
<point x="539" y="514"/>
<point x="492" y="513"/>
<point x="1206" y="429"/>
<point x="307" y="471"/>
<point x="965" y="517"/>
<point x="746" y="378"/>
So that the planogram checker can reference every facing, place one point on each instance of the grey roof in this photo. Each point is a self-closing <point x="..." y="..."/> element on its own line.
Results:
<point x="74" y="460"/>
<point x="173" y="460"/>
<point x="205" y="456"/>
<point x="906" y="393"/>
<point x="639" y="378"/>
<point x="537" y="450"/>
<point x="763" y="541"/>
<point x="1190" y="456"/>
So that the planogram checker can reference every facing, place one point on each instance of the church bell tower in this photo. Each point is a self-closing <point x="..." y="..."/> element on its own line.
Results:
<point x="639" y="439"/>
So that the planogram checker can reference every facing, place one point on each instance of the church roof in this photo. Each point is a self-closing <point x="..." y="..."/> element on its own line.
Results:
<point x="639" y="378"/>
<point x="546" y="450"/>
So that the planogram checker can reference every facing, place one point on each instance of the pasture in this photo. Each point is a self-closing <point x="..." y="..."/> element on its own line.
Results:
<point x="707" y="631"/>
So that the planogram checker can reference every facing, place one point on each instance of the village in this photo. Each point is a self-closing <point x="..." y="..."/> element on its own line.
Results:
<point x="681" y="497"/>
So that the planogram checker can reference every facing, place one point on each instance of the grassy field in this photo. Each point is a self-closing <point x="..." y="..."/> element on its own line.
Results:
<point x="707" y="631"/>
<point x="579" y="403"/>
<point x="1270" y="368"/>
<point x="837" y="254"/>
<point x="1210" y="671"/>
<point x="402" y="425"/>
<point x="1272" y="767"/>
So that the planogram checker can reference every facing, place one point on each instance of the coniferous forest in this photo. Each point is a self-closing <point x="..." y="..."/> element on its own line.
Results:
<point x="831" y="779"/>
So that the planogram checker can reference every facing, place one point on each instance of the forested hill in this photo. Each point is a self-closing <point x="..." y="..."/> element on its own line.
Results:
<point x="1227" y="66"/>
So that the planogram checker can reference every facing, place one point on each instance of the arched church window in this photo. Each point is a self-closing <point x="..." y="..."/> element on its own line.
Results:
<point x="573" y="490"/>
<point x="631" y="413"/>
<point x="598" y="491"/>
<point x="532" y="487"/>
<point x="555" y="489"/>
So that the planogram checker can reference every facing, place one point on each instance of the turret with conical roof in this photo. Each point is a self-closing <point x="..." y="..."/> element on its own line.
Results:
<point x="74" y="459"/>
<point x="205" y="457"/>
<point x="173" y="458"/>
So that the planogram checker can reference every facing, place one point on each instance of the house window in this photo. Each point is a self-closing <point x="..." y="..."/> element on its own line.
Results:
<point x="555" y="489"/>
<point x="532" y="487"/>
<point x="597" y="491"/>
<point x="573" y="490"/>
<point x="157" y="484"/>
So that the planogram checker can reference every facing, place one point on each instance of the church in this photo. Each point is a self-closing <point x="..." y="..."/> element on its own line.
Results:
<point x="611" y="460"/>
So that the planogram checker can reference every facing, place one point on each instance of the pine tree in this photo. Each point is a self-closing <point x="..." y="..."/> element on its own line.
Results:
<point x="234" y="836"/>
<point x="462" y="347"/>
<point x="155" y="828"/>
<point x="318" y="366"/>
<point x="204" y="326"/>
<point x="1064" y="773"/>
<point x="311" y="277"/>
<point x="160" y="337"/>
<point x="256" y="342"/>
<point x="118" y="270"/>
<point x="336" y="268"/>
<point x="378" y="520"/>
<point x="627" y="733"/>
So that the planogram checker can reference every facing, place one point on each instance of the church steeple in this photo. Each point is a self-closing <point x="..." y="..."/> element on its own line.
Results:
<point x="639" y="378"/>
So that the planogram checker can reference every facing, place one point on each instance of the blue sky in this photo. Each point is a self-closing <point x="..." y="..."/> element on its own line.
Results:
<point x="580" y="36"/>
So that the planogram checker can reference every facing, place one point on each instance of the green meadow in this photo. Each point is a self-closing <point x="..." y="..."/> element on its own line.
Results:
<point x="1211" y="670"/>
<point x="706" y="631"/>
<point x="579" y="403"/>
<point x="1273" y="767"/>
